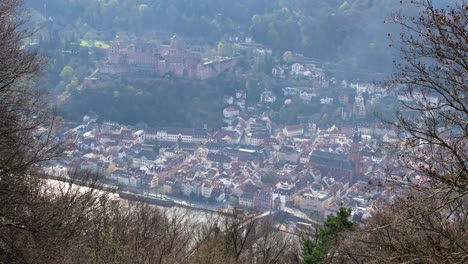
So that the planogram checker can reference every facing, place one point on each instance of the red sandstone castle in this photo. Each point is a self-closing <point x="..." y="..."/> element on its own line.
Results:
<point x="175" y="59"/>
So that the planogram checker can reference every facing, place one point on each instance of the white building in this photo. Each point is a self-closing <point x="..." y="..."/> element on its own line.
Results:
<point x="313" y="201"/>
<point x="292" y="131"/>
<point x="267" y="97"/>
<point x="326" y="100"/>
<point x="230" y="112"/>
<point x="297" y="69"/>
<point x="307" y="96"/>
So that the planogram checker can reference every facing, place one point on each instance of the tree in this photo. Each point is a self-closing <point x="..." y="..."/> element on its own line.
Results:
<point x="142" y="8"/>
<point x="67" y="73"/>
<point x="38" y="223"/>
<point x="221" y="49"/>
<point x="241" y="238"/>
<point x="22" y="114"/>
<point x="410" y="229"/>
<point x="44" y="221"/>
<point x="19" y="68"/>
<point x="314" y="250"/>
<point x="428" y="224"/>
<point x="433" y="75"/>
<point x="287" y="56"/>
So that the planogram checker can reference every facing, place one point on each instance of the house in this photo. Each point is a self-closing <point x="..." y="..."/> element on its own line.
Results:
<point x="313" y="201"/>
<point x="304" y="158"/>
<point x="206" y="189"/>
<point x="263" y="200"/>
<point x="241" y="94"/>
<point x="246" y="200"/>
<point x="255" y="138"/>
<point x="363" y="87"/>
<point x="319" y="80"/>
<point x="297" y="69"/>
<point x="218" y="194"/>
<point x="228" y="99"/>
<point x="168" y="186"/>
<point x="230" y="112"/>
<point x="284" y="192"/>
<point x="278" y="72"/>
<point x="326" y="100"/>
<point x="221" y="160"/>
<point x="192" y="188"/>
<point x="267" y="97"/>
<point x="289" y="91"/>
<point x="257" y="125"/>
<point x="241" y="103"/>
<point x="291" y="131"/>
<point x="143" y="158"/>
<point x="307" y="96"/>
<point x="271" y="142"/>
<point x="139" y="136"/>
<point x="229" y="136"/>
<point x="288" y="154"/>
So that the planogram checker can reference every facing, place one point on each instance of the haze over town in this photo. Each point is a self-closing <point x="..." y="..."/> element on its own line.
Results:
<point x="304" y="127"/>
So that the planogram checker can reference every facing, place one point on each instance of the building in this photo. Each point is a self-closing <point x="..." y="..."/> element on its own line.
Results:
<point x="143" y="158"/>
<point x="256" y="138"/>
<point x="262" y="200"/>
<point x="313" y="201"/>
<point x="307" y="96"/>
<point x="332" y="164"/>
<point x="278" y="72"/>
<point x="206" y="190"/>
<point x="230" y="112"/>
<point x="267" y="97"/>
<point x="326" y="100"/>
<point x="289" y="154"/>
<point x="176" y="59"/>
<point x="185" y="135"/>
<point x="297" y="69"/>
<point x="359" y="108"/>
<point x="292" y="131"/>
<point x="246" y="200"/>
<point x="355" y="154"/>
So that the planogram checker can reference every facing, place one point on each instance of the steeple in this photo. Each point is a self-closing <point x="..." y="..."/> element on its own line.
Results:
<point x="357" y="137"/>
<point x="354" y="152"/>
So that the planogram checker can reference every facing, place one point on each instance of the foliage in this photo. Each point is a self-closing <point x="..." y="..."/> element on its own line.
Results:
<point x="96" y="43"/>
<point x="239" y="238"/>
<point x="46" y="221"/>
<point x="428" y="222"/>
<point x="354" y="36"/>
<point x="433" y="74"/>
<point x="314" y="250"/>
<point x="67" y="73"/>
<point x="287" y="55"/>
<point x="414" y="228"/>
<point x="198" y="102"/>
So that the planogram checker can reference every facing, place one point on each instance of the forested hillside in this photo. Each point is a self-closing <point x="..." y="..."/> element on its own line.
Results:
<point x="350" y="32"/>
<point x="162" y="103"/>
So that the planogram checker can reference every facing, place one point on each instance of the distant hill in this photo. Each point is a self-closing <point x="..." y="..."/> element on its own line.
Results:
<point x="350" y="33"/>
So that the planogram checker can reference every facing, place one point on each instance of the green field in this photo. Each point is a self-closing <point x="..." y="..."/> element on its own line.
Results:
<point x="97" y="44"/>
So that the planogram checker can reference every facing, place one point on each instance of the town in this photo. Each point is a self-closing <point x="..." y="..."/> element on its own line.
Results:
<point x="251" y="162"/>
<point x="247" y="164"/>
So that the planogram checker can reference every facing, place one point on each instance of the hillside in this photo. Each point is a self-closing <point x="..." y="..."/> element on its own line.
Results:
<point x="351" y="34"/>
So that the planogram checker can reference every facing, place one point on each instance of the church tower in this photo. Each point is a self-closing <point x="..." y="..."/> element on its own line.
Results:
<point x="355" y="153"/>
